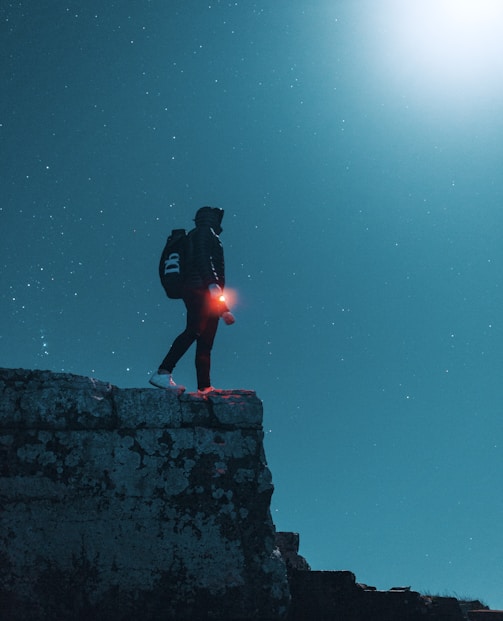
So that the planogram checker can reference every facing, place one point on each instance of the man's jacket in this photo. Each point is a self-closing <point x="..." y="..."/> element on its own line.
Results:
<point x="205" y="262"/>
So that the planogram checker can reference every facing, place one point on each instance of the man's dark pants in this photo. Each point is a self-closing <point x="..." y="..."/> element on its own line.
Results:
<point x="201" y="327"/>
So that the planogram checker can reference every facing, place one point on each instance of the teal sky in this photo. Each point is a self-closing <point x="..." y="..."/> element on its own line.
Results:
<point x="357" y="153"/>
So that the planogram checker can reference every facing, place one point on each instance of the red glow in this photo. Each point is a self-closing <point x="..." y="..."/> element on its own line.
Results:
<point x="230" y="297"/>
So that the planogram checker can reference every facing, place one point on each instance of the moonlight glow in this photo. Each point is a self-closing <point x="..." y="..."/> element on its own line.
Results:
<point x="452" y="48"/>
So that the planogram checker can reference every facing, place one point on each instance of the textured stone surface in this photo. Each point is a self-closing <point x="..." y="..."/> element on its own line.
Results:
<point x="133" y="503"/>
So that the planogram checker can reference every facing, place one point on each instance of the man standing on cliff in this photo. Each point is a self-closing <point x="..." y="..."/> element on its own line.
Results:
<point x="204" y="300"/>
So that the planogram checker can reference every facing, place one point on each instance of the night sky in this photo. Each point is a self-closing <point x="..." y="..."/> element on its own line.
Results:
<point x="357" y="149"/>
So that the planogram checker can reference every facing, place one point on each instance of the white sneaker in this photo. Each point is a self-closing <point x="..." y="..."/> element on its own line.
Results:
<point x="166" y="381"/>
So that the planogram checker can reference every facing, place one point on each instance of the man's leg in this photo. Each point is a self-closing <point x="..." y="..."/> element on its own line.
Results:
<point x="203" y="352"/>
<point x="195" y="303"/>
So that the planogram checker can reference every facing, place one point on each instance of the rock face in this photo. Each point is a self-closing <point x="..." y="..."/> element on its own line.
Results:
<point x="137" y="504"/>
<point x="124" y="504"/>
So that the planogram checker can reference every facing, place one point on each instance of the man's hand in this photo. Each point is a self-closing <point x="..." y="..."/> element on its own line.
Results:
<point x="228" y="317"/>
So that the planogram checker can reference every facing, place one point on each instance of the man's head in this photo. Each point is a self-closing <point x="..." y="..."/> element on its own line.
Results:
<point x="210" y="216"/>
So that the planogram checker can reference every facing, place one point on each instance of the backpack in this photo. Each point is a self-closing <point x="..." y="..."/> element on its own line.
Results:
<point x="172" y="263"/>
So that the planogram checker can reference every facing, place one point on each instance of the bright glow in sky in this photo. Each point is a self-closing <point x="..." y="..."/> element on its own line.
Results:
<point x="451" y="48"/>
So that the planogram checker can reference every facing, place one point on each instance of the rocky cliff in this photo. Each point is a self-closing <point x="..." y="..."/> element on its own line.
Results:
<point x="133" y="504"/>
<point x="138" y="504"/>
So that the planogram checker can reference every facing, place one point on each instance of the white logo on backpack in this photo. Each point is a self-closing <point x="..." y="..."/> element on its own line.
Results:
<point x="172" y="264"/>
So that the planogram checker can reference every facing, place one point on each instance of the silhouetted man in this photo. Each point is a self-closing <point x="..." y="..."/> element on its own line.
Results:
<point x="203" y="289"/>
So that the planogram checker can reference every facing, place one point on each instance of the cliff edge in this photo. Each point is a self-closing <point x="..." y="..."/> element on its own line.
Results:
<point x="124" y="504"/>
